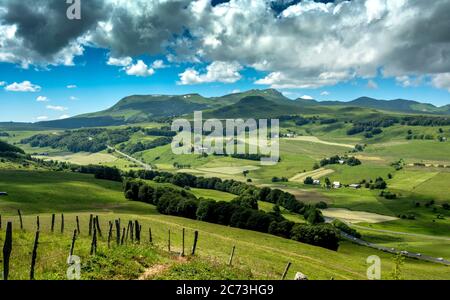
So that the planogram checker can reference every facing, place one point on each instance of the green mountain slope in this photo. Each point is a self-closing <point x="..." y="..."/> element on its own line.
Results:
<point x="397" y="105"/>
<point x="252" y="103"/>
<point x="142" y="108"/>
<point x="253" y="107"/>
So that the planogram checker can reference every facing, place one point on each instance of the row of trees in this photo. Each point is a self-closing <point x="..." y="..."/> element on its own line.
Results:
<point x="146" y="145"/>
<point x="100" y="172"/>
<point x="83" y="140"/>
<point x="248" y="195"/>
<point x="241" y="212"/>
<point x="163" y="131"/>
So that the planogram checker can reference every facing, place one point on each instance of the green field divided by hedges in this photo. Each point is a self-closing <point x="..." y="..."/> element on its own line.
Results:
<point x="263" y="254"/>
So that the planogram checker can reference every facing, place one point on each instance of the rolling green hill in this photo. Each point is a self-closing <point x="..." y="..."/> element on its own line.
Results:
<point x="253" y="103"/>
<point x="253" y="107"/>
<point x="397" y="105"/>
<point x="265" y="255"/>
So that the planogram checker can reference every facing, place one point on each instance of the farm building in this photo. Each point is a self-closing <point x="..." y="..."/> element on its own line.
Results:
<point x="336" y="185"/>
<point x="316" y="182"/>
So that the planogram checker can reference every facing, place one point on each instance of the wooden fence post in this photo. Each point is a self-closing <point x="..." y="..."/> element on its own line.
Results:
<point x="94" y="242"/>
<point x="38" y="225"/>
<point x="117" y="232"/>
<point x="72" y="247"/>
<point x="62" y="223"/>
<point x="195" y="242"/>
<point x="132" y="231"/>
<point x="128" y="231"/>
<point x="286" y="270"/>
<point x="182" y="243"/>
<point x="78" y="225"/>
<point x="53" y="222"/>
<point x="123" y="235"/>
<point x="90" y="224"/>
<point x="34" y="255"/>
<point x="169" y="241"/>
<point x="0" y="222"/>
<point x="137" y="231"/>
<point x="230" y="260"/>
<point x="110" y="234"/>
<point x="150" y="238"/>
<point x="97" y="223"/>
<point x="20" y="219"/>
<point x="7" y="248"/>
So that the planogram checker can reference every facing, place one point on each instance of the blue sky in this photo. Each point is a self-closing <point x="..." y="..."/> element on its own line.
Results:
<point x="99" y="86"/>
<point x="218" y="49"/>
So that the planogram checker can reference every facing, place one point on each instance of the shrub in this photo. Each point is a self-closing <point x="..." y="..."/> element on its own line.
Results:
<point x="308" y="180"/>
<point x="313" y="215"/>
<point x="323" y="235"/>
<point x="282" y="229"/>
<point x="205" y="210"/>
<point x="345" y="228"/>
<point x="321" y="205"/>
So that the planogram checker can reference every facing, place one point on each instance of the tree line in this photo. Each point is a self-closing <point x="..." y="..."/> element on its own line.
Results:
<point x="83" y="140"/>
<point x="242" y="212"/>
<point x="132" y="148"/>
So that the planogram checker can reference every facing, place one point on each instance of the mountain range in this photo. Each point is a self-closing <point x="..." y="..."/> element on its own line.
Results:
<point x="253" y="103"/>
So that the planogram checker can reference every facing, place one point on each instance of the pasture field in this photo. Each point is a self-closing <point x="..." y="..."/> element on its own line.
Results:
<point x="415" y="151"/>
<point x="81" y="158"/>
<point x="355" y="216"/>
<point x="315" y="174"/>
<point x="212" y="194"/>
<point x="265" y="255"/>
<point x="314" y="139"/>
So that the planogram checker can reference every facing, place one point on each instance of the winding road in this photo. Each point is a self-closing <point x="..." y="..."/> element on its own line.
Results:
<point x="130" y="158"/>
<point x="392" y="250"/>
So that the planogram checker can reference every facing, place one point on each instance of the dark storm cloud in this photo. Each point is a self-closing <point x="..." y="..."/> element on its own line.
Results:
<point x="44" y="26"/>
<point x="146" y="28"/>
<point x="423" y="46"/>
<point x="298" y="43"/>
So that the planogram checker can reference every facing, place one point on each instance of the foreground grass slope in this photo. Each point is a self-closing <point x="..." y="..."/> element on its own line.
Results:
<point x="265" y="255"/>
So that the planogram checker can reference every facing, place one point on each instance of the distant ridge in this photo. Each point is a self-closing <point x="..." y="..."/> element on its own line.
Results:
<point x="253" y="103"/>
<point x="396" y="105"/>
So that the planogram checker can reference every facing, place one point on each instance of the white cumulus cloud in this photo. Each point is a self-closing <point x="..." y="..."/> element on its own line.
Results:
<point x="139" y="69"/>
<point x="71" y="86"/>
<point x="42" y="99"/>
<point x="306" y="97"/>
<point x="442" y="81"/>
<point x="25" y="86"/>
<point x="159" y="64"/>
<point x="57" y="107"/>
<point x="64" y="117"/>
<point x="218" y="71"/>
<point x="42" y="118"/>
<point x="120" y="62"/>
